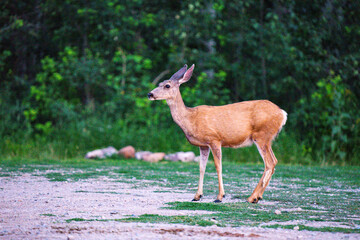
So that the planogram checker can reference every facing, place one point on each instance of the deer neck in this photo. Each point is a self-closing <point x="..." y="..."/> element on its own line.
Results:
<point x="179" y="111"/>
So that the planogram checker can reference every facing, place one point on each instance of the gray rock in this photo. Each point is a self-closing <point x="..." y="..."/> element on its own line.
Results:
<point x="171" y="157"/>
<point x="101" y="153"/>
<point x="181" y="156"/>
<point x="140" y="155"/>
<point x="98" y="153"/>
<point x="109" y="151"/>
<point x="154" y="157"/>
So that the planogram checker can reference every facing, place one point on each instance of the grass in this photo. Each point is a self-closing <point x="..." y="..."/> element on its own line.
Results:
<point x="155" y="218"/>
<point x="48" y="215"/>
<point x="312" y="198"/>
<point x="75" y="139"/>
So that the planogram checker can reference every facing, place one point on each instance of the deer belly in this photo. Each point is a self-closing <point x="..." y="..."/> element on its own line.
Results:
<point x="245" y="143"/>
<point x="195" y="141"/>
<point x="236" y="138"/>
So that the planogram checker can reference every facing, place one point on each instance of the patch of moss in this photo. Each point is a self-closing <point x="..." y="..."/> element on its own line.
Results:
<point x="48" y="215"/>
<point x="79" y="220"/>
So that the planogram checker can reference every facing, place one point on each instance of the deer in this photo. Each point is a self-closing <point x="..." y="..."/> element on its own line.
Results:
<point x="233" y="125"/>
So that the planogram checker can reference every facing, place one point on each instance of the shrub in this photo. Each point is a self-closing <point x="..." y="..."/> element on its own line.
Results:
<point x="328" y="120"/>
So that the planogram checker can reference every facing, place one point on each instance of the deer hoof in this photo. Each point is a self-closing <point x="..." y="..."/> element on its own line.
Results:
<point x="197" y="198"/>
<point x="253" y="200"/>
<point x="217" y="201"/>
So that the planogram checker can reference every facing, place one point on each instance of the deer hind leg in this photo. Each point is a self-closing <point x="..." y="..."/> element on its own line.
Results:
<point x="204" y="155"/>
<point x="274" y="161"/>
<point x="270" y="162"/>
<point x="216" y="151"/>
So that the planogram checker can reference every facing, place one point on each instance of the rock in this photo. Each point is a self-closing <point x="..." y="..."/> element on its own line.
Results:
<point x="296" y="228"/>
<point x="101" y="153"/>
<point x="197" y="158"/>
<point x="109" y="151"/>
<point x="154" y="157"/>
<point x="127" y="152"/>
<point x="171" y="157"/>
<point x="140" y="155"/>
<point x="214" y="220"/>
<point x="277" y="212"/>
<point x="186" y="156"/>
<point x="98" y="153"/>
<point x="181" y="156"/>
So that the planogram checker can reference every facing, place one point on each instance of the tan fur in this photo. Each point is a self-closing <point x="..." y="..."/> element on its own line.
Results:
<point x="233" y="125"/>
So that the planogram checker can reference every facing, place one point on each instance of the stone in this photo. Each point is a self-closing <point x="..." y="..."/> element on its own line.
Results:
<point x="277" y="212"/>
<point x="98" y="153"/>
<point x="140" y="155"/>
<point x="296" y="228"/>
<point x="186" y="156"/>
<point x="109" y="151"/>
<point x="127" y="152"/>
<point x="171" y="157"/>
<point x="154" y="157"/>
<point x="101" y="153"/>
<point x="181" y="156"/>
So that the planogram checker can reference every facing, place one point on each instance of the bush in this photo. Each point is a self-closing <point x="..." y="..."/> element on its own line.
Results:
<point x="328" y="121"/>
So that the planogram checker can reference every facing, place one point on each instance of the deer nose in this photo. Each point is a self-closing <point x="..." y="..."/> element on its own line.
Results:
<point x="150" y="95"/>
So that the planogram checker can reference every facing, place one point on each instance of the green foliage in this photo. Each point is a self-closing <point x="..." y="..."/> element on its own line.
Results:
<point x="216" y="93"/>
<point x="62" y="85"/>
<point x="330" y="120"/>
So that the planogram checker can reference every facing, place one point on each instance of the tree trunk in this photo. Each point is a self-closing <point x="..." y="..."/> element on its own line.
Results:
<point x="263" y="61"/>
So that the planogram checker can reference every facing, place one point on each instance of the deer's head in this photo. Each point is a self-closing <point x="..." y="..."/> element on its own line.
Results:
<point x="169" y="89"/>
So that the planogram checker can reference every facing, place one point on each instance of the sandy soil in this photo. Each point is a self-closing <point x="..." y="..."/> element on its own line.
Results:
<point x="31" y="207"/>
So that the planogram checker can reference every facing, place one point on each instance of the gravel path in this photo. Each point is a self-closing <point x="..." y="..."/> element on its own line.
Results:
<point x="32" y="207"/>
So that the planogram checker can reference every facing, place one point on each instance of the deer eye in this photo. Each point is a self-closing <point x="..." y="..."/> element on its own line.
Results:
<point x="167" y="86"/>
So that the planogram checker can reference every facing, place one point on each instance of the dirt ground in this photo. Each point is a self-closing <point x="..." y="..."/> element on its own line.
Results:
<point x="32" y="207"/>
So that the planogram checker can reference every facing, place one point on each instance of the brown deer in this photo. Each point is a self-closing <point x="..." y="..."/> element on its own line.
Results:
<point x="233" y="125"/>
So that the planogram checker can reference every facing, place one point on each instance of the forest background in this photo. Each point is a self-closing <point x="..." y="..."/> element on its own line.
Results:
<point x="74" y="74"/>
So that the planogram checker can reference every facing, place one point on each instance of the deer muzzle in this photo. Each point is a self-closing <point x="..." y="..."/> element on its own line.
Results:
<point x="151" y="96"/>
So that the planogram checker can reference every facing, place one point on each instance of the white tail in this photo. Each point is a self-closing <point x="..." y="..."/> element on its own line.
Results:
<point x="233" y="125"/>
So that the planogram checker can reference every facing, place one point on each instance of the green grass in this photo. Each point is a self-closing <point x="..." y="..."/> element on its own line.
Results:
<point x="48" y="215"/>
<point x="79" y="220"/>
<point x="189" y="220"/>
<point x="77" y="138"/>
<point x="305" y="195"/>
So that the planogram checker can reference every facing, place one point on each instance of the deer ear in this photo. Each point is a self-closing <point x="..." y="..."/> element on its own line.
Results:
<point x="187" y="75"/>
<point x="179" y="74"/>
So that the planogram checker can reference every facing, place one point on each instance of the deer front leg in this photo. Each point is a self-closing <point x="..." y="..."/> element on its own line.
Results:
<point x="204" y="155"/>
<point x="216" y="151"/>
